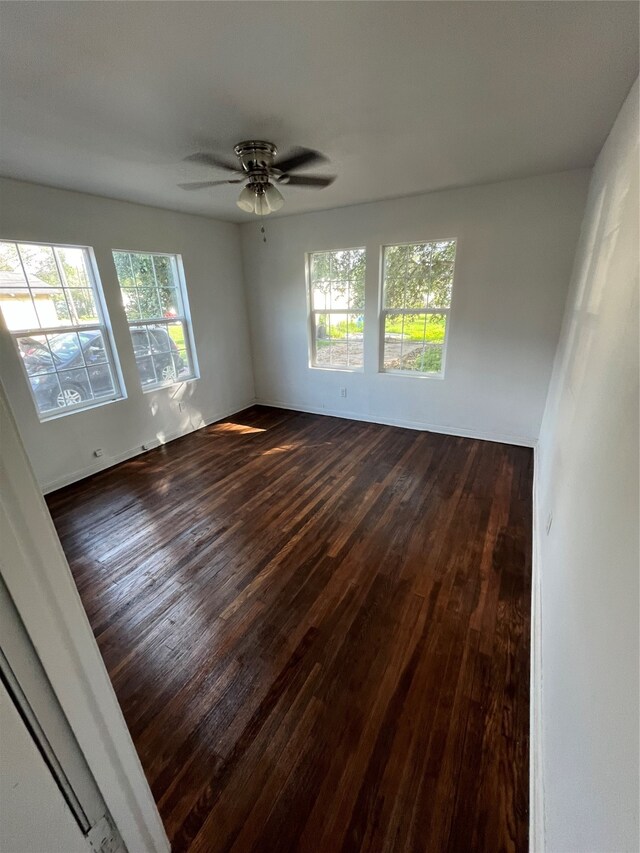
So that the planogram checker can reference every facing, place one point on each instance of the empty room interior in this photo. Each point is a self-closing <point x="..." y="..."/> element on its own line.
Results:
<point x="320" y="446"/>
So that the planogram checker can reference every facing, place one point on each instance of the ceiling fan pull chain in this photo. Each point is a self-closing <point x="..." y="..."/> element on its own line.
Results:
<point x="262" y="231"/>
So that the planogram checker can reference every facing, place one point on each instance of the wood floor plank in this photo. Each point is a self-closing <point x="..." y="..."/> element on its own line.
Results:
<point x="318" y="631"/>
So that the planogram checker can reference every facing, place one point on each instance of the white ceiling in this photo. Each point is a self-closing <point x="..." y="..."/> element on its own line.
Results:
<point x="403" y="98"/>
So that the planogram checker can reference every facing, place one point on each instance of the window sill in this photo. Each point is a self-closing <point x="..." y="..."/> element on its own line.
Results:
<point x="412" y="374"/>
<point x="334" y="368"/>
<point x="73" y="410"/>
<point x="150" y="388"/>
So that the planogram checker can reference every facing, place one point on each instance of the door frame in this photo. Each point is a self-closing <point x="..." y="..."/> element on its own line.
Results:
<point x="41" y="585"/>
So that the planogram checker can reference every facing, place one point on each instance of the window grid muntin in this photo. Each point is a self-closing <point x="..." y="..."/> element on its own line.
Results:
<point x="181" y="317"/>
<point x="346" y="311"/>
<point x="386" y="310"/>
<point x="101" y="326"/>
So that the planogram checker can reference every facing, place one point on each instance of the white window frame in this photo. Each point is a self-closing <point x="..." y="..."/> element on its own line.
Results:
<point x="312" y="312"/>
<point x="384" y="311"/>
<point x="184" y="316"/>
<point x="103" y="326"/>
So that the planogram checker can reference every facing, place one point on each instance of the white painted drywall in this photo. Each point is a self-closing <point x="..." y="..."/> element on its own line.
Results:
<point x="34" y="817"/>
<point x="516" y="242"/>
<point x="587" y="483"/>
<point x="62" y="450"/>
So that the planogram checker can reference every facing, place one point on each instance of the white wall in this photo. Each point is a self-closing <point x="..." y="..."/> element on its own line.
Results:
<point x="62" y="450"/>
<point x="588" y="564"/>
<point x="516" y="242"/>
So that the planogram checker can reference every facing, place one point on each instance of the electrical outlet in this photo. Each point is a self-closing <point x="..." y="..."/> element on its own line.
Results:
<point x="343" y="392"/>
<point x="98" y="452"/>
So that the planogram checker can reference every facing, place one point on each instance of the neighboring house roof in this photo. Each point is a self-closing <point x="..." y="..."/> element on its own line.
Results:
<point x="13" y="284"/>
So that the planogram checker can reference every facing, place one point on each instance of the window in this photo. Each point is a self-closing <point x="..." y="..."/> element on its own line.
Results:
<point x="155" y="302"/>
<point x="336" y="284"/>
<point x="417" y="284"/>
<point x="52" y="305"/>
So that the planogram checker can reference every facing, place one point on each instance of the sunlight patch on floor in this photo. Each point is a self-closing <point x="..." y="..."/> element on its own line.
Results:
<point x="240" y="429"/>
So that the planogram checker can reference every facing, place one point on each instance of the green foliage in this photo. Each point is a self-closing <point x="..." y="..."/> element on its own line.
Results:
<point x="176" y="333"/>
<point x="148" y="284"/>
<point x="337" y="330"/>
<point x="419" y="275"/>
<point x="413" y="326"/>
<point x="340" y="273"/>
<point x="428" y="361"/>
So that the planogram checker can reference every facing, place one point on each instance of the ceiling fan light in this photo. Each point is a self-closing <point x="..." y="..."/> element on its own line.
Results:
<point x="246" y="200"/>
<point x="261" y="205"/>
<point x="274" y="197"/>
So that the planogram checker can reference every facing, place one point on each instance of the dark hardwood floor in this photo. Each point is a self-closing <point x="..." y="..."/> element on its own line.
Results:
<point x="318" y="631"/>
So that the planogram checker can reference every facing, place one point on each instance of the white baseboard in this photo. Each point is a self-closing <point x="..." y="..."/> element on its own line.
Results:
<point x="501" y="438"/>
<point x="536" y="767"/>
<point x="109" y="461"/>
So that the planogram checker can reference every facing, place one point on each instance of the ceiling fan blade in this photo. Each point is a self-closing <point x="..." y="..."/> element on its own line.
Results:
<point x="298" y="158"/>
<point x="318" y="181"/>
<point x="200" y="185"/>
<point x="212" y="160"/>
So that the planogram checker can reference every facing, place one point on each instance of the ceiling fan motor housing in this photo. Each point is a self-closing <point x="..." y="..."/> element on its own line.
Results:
<point x="256" y="157"/>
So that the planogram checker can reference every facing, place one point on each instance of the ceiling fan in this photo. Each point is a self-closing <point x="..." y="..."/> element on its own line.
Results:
<point x="261" y="171"/>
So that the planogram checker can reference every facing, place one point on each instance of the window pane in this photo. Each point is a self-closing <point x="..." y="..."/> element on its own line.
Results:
<point x="149" y="303"/>
<point x="82" y="306"/>
<point x="431" y="359"/>
<point x="337" y="284"/>
<point x="93" y="347"/>
<point x="436" y="328"/>
<point x="36" y="355"/>
<point x="177" y="333"/>
<point x="40" y="266"/>
<point x="67" y="349"/>
<point x="419" y="275"/>
<point x="10" y="263"/>
<point x="159" y="338"/>
<point x="73" y="263"/>
<point x="181" y="363"/>
<point x="75" y="386"/>
<point x="395" y="267"/>
<point x="101" y="380"/>
<point x="162" y="349"/>
<point x="413" y="342"/>
<point x="169" y="302"/>
<point x="130" y="303"/>
<point x="18" y="310"/>
<point x="47" y="393"/>
<point x="140" y="341"/>
<point x="165" y="368"/>
<point x="52" y="309"/>
<point x="142" y="266"/>
<point x="164" y="271"/>
<point x="124" y="270"/>
<point x="337" y="279"/>
<point x="161" y="352"/>
<point x="393" y="341"/>
<point x="56" y="289"/>
<point x="339" y="340"/>
<point x="146" y="370"/>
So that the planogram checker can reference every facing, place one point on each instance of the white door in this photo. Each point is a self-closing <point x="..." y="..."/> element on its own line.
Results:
<point x="28" y="690"/>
